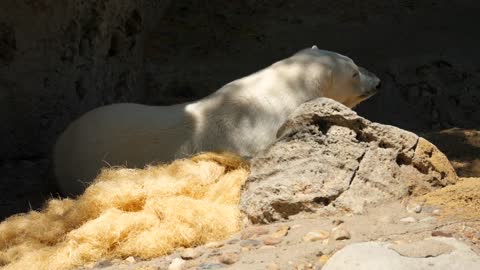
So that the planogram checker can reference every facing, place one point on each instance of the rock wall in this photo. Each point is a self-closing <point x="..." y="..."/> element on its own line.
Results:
<point x="424" y="51"/>
<point x="59" y="59"/>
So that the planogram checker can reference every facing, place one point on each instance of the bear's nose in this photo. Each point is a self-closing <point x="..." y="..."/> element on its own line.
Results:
<point x="379" y="84"/>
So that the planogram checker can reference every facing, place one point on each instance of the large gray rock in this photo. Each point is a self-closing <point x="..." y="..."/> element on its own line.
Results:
<point x="327" y="157"/>
<point x="377" y="255"/>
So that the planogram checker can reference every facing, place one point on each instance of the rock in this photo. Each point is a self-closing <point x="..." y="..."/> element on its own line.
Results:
<point x="103" y="264"/>
<point x="229" y="258"/>
<point x="272" y="266"/>
<point x="428" y="220"/>
<point x="281" y="231"/>
<point x="130" y="259"/>
<point x="340" y="234"/>
<point x="233" y="241"/>
<point x="246" y="249"/>
<point x="253" y="232"/>
<point x="442" y="234"/>
<point x="177" y="264"/>
<point x="267" y="247"/>
<point x="249" y="243"/>
<point x="322" y="260"/>
<point x="414" y="208"/>
<point x="316" y="236"/>
<point x="422" y="249"/>
<point x="328" y="156"/>
<point x="377" y="255"/>
<point x="105" y="36"/>
<point x="191" y="253"/>
<point x="206" y="266"/>
<point x="437" y="212"/>
<point x="271" y="241"/>
<point x="214" y="244"/>
<point x="337" y="222"/>
<point x="408" y="220"/>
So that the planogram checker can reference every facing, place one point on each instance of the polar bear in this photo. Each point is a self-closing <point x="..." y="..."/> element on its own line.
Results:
<point x="241" y="117"/>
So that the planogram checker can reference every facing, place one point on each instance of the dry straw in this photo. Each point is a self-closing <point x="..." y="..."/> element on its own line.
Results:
<point x="130" y="212"/>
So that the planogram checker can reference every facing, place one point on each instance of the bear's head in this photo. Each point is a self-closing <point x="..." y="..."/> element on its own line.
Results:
<point x="332" y="75"/>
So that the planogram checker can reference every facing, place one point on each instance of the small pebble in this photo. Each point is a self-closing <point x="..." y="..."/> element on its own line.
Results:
<point x="272" y="266"/>
<point x="271" y="241"/>
<point x="315" y="236"/>
<point x="191" y="254"/>
<point x="214" y="245"/>
<point x="233" y="241"/>
<point x="250" y="243"/>
<point x="337" y="222"/>
<point x="322" y="260"/>
<point x="281" y="232"/>
<point x="295" y="226"/>
<point x="408" y="220"/>
<point x="229" y="258"/>
<point x="442" y="234"/>
<point x="414" y="208"/>
<point x="340" y="234"/>
<point x="400" y="242"/>
<point x="267" y="247"/>
<point x="214" y="253"/>
<point x="130" y="259"/>
<point x="103" y="263"/>
<point x="437" y="212"/>
<point x="211" y="266"/>
<point x="253" y="232"/>
<point x="176" y="264"/>
<point x="428" y="220"/>
<point x="246" y="249"/>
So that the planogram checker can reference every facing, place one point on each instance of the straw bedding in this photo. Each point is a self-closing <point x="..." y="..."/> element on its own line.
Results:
<point x="130" y="212"/>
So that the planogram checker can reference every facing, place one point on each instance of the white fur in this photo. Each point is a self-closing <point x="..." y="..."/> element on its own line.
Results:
<point x="242" y="116"/>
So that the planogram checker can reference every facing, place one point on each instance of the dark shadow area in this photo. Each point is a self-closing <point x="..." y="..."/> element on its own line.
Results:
<point x="462" y="146"/>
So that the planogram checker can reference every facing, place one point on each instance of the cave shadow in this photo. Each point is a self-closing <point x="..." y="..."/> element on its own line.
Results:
<point x="461" y="146"/>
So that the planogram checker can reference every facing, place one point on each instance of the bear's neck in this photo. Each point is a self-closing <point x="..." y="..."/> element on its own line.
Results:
<point x="278" y="89"/>
<point x="250" y="109"/>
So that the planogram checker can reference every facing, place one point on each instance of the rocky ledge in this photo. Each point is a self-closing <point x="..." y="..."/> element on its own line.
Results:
<point x="328" y="158"/>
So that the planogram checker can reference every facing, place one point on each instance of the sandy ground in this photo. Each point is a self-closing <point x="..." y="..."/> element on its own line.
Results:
<point x="307" y="242"/>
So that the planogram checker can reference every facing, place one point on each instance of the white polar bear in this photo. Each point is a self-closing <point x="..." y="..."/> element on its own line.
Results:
<point x="242" y="117"/>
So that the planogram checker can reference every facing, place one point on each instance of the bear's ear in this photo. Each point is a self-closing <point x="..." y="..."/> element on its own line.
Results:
<point x="314" y="47"/>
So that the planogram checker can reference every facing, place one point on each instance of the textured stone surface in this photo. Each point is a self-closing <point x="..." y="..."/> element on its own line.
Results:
<point x="75" y="56"/>
<point x="328" y="157"/>
<point x="59" y="59"/>
<point x="376" y="255"/>
<point x="421" y="76"/>
<point x="422" y="249"/>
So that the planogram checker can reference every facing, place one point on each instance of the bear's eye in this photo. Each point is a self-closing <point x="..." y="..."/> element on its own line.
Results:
<point x="355" y="74"/>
